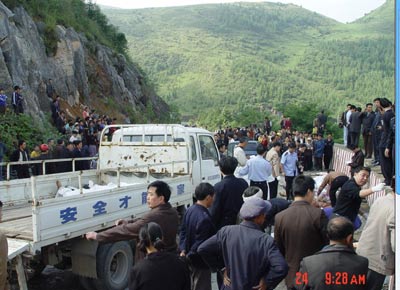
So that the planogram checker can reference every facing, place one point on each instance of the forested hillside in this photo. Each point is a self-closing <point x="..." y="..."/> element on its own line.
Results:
<point x="227" y="63"/>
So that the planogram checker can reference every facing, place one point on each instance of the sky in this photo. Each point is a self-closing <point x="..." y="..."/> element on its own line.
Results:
<point x="340" y="10"/>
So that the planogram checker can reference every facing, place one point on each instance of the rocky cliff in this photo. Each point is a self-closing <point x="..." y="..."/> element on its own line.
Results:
<point x="82" y="72"/>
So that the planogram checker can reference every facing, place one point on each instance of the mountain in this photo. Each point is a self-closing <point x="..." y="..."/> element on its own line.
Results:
<point x="225" y="64"/>
<point x="72" y="43"/>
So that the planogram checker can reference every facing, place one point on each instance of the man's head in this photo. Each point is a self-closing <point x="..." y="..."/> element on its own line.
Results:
<point x="303" y="187"/>
<point x="340" y="230"/>
<point x="21" y="144"/>
<point x="361" y="175"/>
<point x="221" y="147"/>
<point x="158" y="192"/>
<point x="204" y="193"/>
<point x="252" y="192"/>
<point x="368" y="107"/>
<point x="277" y="146"/>
<point x="302" y="147"/>
<point x="255" y="209"/>
<point x="385" y="103"/>
<point x="228" y="165"/>
<point x="261" y="149"/>
<point x="292" y="147"/>
<point x="243" y="141"/>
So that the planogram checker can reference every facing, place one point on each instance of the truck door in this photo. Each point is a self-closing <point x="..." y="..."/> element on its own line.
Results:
<point x="207" y="158"/>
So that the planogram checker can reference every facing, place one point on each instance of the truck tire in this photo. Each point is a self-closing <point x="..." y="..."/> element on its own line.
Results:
<point x="114" y="265"/>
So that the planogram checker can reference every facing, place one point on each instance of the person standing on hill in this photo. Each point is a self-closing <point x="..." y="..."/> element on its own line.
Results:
<point x="367" y="118"/>
<point x="274" y="159"/>
<point x="17" y="100"/>
<point x="20" y="155"/>
<point x="377" y="130"/>
<point x="321" y="122"/>
<point x="3" y="101"/>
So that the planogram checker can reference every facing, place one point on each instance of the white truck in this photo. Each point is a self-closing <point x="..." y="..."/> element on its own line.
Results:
<point x="46" y="229"/>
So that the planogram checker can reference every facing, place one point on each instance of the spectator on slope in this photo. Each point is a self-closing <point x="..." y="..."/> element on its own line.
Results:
<point x="3" y="101"/>
<point x="355" y="126"/>
<point x="377" y="130"/>
<point x="289" y="168"/>
<point x="343" y="124"/>
<point x="55" y="109"/>
<point x="17" y="101"/>
<point x="321" y="122"/>
<point x="367" y="118"/>
<point x="19" y="155"/>
<point x="273" y="157"/>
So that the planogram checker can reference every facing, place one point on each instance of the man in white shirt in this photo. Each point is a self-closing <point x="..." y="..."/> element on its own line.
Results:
<point x="258" y="170"/>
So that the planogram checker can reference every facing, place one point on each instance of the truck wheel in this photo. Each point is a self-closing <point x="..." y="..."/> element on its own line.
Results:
<point x="114" y="264"/>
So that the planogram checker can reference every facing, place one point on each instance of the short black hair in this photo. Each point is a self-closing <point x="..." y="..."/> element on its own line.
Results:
<point x="368" y="104"/>
<point x="203" y="190"/>
<point x="339" y="228"/>
<point x="220" y="145"/>
<point x="162" y="189"/>
<point x="377" y="100"/>
<point x="261" y="149"/>
<point x="276" y="144"/>
<point x="360" y="168"/>
<point x="1" y="203"/>
<point x="385" y="103"/>
<point x="20" y="142"/>
<point x="301" y="184"/>
<point x="292" y="145"/>
<point x="228" y="165"/>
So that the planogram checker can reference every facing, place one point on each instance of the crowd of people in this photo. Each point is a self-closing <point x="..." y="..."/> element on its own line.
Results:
<point x="80" y="137"/>
<point x="377" y="128"/>
<point x="227" y="229"/>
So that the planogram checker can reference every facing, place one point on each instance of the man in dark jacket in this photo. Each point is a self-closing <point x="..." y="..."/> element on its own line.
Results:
<point x="300" y="230"/>
<point x="355" y="127"/>
<point x="228" y="194"/>
<point x="367" y="118"/>
<point x="20" y="155"/>
<point x="197" y="227"/>
<point x="251" y="258"/>
<point x="161" y="212"/>
<point x="336" y="266"/>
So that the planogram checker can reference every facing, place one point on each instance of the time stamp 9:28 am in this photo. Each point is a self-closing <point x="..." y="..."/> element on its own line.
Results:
<point x="334" y="278"/>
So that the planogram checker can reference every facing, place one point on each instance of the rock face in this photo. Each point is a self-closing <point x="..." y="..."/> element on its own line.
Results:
<point x="79" y="75"/>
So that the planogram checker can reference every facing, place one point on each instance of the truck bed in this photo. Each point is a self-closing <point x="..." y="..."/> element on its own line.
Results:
<point x="17" y="223"/>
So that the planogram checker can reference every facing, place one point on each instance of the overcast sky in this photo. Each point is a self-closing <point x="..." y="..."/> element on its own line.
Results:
<point x="341" y="10"/>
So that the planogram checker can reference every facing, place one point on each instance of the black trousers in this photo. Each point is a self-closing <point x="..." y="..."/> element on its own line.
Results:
<point x="368" y="145"/>
<point x="327" y="161"/>
<point x="335" y="185"/>
<point x="273" y="188"/>
<point x="289" y="186"/>
<point x="386" y="166"/>
<point x="261" y="184"/>
<point x="375" y="280"/>
<point x="376" y="138"/>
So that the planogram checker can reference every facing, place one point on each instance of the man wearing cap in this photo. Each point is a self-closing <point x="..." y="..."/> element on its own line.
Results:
<point x="247" y="257"/>
<point x="289" y="168"/>
<point x="161" y="212"/>
<point x="300" y="230"/>
<point x="259" y="170"/>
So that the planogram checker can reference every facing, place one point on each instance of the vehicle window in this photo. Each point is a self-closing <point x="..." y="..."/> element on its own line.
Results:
<point x="194" y="154"/>
<point x="207" y="148"/>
